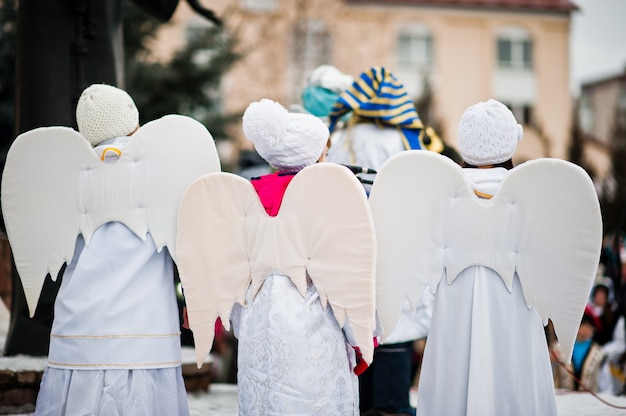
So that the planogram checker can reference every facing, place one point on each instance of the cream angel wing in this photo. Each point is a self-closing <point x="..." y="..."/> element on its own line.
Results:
<point x="227" y="242"/>
<point x="544" y="223"/>
<point x="55" y="187"/>
<point x="212" y="251"/>
<point x="330" y="207"/>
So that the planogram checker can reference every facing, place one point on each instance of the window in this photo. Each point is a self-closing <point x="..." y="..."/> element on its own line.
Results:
<point x="514" y="49"/>
<point x="414" y="57"/>
<point x="586" y="114"/>
<point x="259" y="6"/>
<point x="514" y="80"/>
<point x="311" y="46"/>
<point x="523" y="112"/>
<point x="414" y="48"/>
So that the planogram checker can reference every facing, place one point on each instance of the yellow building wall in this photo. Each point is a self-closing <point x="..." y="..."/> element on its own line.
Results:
<point x="365" y="36"/>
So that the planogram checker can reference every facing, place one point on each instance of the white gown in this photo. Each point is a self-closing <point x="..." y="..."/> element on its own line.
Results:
<point x="111" y="217"/>
<point x="478" y="324"/>
<point x="500" y="268"/>
<point x="299" y="284"/>
<point x="115" y="339"/>
<point x="293" y="357"/>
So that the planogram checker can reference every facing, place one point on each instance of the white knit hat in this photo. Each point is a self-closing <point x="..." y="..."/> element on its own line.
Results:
<point x="105" y="112"/>
<point x="329" y="77"/>
<point x="488" y="134"/>
<point x="287" y="141"/>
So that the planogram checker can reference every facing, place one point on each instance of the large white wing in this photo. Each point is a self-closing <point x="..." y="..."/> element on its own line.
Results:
<point x="544" y="222"/>
<point x="559" y="249"/>
<point x="39" y="202"/>
<point x="55" y="187"/>
<point x="171" y="152"/>
<point x="226" y="241"/>
<point x="410" y="202"/>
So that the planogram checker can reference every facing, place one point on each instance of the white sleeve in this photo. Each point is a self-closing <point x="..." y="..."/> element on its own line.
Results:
<point x="617" y="346"/>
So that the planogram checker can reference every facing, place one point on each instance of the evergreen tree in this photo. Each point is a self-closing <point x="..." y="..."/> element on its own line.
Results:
<point x="187" y="84"/>
<point x="8" y="19"/>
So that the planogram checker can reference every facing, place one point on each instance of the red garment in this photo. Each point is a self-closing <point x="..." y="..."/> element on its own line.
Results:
<point x="271" y="189"/>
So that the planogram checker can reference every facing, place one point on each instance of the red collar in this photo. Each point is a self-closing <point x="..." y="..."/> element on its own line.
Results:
<point x="271" y="189"/>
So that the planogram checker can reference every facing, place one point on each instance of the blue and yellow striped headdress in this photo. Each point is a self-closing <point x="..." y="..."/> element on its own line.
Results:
<point x="379" y="96"/>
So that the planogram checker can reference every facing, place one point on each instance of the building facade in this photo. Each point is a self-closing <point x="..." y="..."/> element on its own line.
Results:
<point x="597" y="106"/>
<point x="516" y="51"/>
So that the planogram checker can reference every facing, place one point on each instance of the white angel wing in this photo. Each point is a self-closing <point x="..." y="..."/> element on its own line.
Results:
<point x="173" y="151"/>
<point x="410" y="203"/>
<point x="55" y="187"/>
<point x="544" y="222"/>
<point x="226" y="241"/>
<point x="559" y="250"/>
<point x="39" y="203"/>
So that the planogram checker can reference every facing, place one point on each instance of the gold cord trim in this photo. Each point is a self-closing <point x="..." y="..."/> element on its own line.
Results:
<point x="483" y="194"/>
<point x="110" y="149"/>
<point x="116" y="336"/>
<point x="115" y="365"/>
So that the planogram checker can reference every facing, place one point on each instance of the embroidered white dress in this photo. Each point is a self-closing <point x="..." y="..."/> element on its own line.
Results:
<point x="293" y="357"/>
<point x="299" y="272"/>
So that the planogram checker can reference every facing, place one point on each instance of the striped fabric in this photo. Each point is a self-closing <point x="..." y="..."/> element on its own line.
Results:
<point x="377" y="95"/>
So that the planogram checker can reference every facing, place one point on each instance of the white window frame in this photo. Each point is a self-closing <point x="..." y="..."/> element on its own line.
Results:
<point x="420" y="47"/>
<point x="414" y="56"/>
<point x="518" y="38"/>
<point x="259" y="6"/>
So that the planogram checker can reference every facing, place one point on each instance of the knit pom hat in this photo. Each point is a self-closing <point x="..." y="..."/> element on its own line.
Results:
<point x="323" y="87"/>
<point x="488" y="134"/>
<point x="287" y="141"/>
<point x="105" y="112"/>
<point x="330" y="78"/>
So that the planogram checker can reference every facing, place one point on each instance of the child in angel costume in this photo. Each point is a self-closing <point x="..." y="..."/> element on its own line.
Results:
<point x="108" y="212"/>
<point x="504" y="250"/>
<point x="291" y="254"/>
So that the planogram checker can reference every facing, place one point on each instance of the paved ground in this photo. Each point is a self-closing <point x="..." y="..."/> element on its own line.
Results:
<point x="222" y="400"/>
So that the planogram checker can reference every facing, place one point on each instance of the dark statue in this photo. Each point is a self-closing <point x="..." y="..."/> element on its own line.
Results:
<point x="63" y="46"/>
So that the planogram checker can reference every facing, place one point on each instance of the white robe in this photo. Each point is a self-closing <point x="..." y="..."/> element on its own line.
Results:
<point x="293" y="357"/>
<point x="487" y="352"/>
<point x="115" y="340"/>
